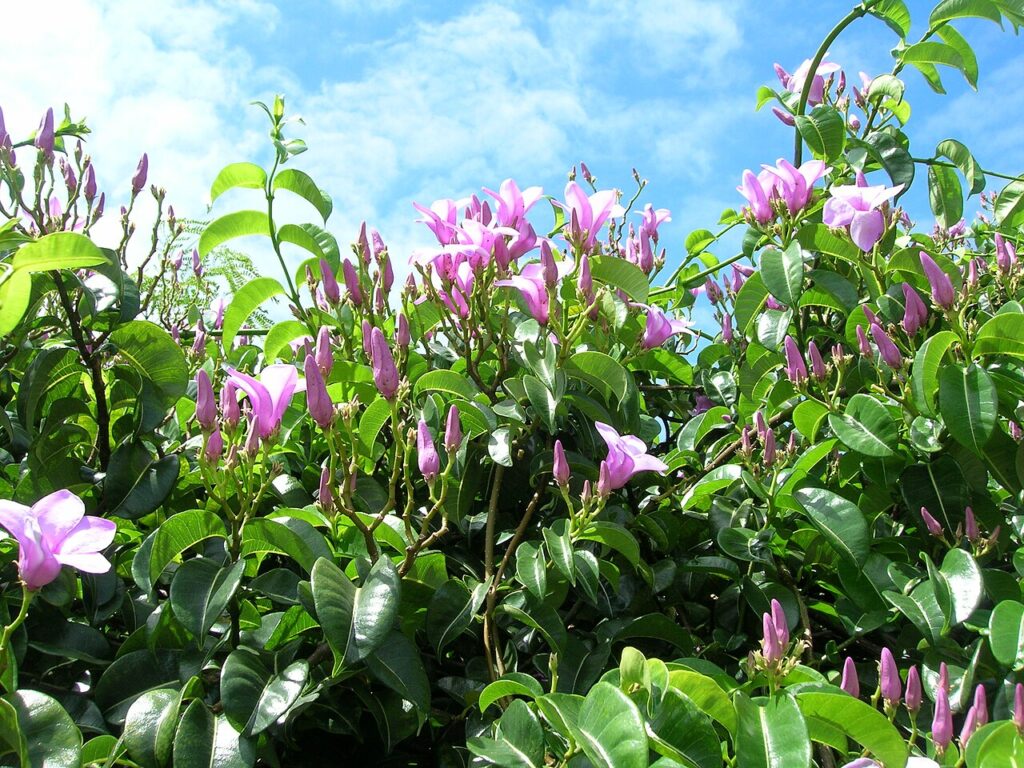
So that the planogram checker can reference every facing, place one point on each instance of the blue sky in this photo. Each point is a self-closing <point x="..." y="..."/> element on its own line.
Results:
<point x="416" y="101"/>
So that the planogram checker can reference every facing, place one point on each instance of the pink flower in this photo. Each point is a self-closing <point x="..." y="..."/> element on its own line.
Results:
<point x="513" y="204"/>
<point x="531" y="284"/>
<point x="588" y="214"/>
<point x="856" y="208"/>
<point x="317" y="400"/>
<point x="795" y="83"/>
<point x="796" y="368"/>
<point x="660" y="329"/>
<point x="561" y="465"/>
<point x="269" y="395"/>
<point x="934" y="526"/>
<point x="332" y="291"/>
<point x="141" y="172"/>
<point x="385" y="373"/>
<point x="912" y="699"/>
<point x="426" y="454"/>
<point x="772" y="647"/>
<point x="942" y="287"/>
<point x="850" y="683"/>
<point x="627" y="456"/>
<point x="889" y="677"/>
<point x="452" y="430"/>
<point x="794" y="186"/>
<point x="942" y="722"/>
<point x="55" y="531"/>
<point x="916" y="313"/>
<point x="206" y="407"/>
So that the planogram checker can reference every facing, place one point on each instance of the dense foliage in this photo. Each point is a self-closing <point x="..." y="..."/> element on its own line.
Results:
<point x="518" y="511"/>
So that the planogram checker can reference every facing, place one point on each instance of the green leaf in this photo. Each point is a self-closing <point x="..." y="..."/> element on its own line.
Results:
<point x="518" y="740"/>
<point x="945" y="195"/>
<point x="859" y="721"/>
<point x="960" y="9"/>
<point x="601" y="371"/>
<point x="499" y="446"/>
<point x="930" y="52"/>
<point x="895" y="14"/>
<point x="1009" y="207"/>
<point x="279" y="336"/>
<point x="287" y="536"/>
<point x="965" y="583"/>
<point x="839" y="521"/>
<point x="921" y="606"/>
<point x="201" y="591"/>
<point x="51" y="737"/>
<point x="749" y="303"/>
<point x="819" y="238"/>
<point x="866" y="426"/>
<point x="1000" y="746"/>
<point x="620" y="273"/>
<point x="245" y="302"/>
<point x="205" y="741"/>
<point x="451" y="611"/>
<point x="1006" y="634"/>
<point x="334" y="595"/>
<point x="680" y="731"/>
<point x="615" y="536"/>
<point x="302" y="185"/>
<point x="277" y="697"/>
<point x="959" y="43"/>
<point x="376" y="415"/>
<point x="151" y="351"/>
<point x="961" y="157"/>
<point x="397" y="664"/>
<point x="783" y="273"/>
<point x="543" y="402"/>
<point x="15" y="296"/>
<point x="939" y="486"/>
<point x="924" y="373"/>
<point x="58" y="250"/>
<point x="442" y="380"/>
<point x="509" y="684"/>
<point x="531" y="569"/>
<point x="771" y="733"/>
<point x="245" y="175"/>
<point x="706" y="694"/>
<point x="232" y="225"/>
<point x="300" y="236"/>
<point x="612" y="732"/>
<point x="824" y="130"/>
<point x="969" y="405"/>
<point x="559" y="546"/>
<point x="137" y="482"/>
<point x="541" y="617"/>
<point x="179" y="532"/>
<point x="149" y="727"/>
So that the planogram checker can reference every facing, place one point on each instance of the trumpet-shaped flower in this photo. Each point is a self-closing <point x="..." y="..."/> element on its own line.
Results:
<point x="55" y="531"/>
<point x="660" y="329"/>
<point x="269" y="395"/>
<point x="587" y="214"/>
<point x="533" y="287"/>
<point x="856" y="207"/>
<point x="627" y="456"/>
<point x="513" y="203"/>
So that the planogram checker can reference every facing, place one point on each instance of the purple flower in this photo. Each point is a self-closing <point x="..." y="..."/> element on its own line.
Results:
<point x="915" y="314"/>
<point x="971" y="525"/>
<point x="452" y="430"/>
<point x="795" y="83"/>
<point x="206" y="408"/>
<point x="89" y="183"/>
<point x="1006" y="254"/>
<point x="317" y="400"/>
<point x="889" y="679"/>
<point x="887" y="348"/>
<point x="727" y="334"/>
<point x="652" y="219"/>
<point x="402" y="337"/>
<point x="588" y="214"/>
<point x="53" y="532"/>
<point x="352" y="283"/>
<point x="627" y="455"/>
<point x="942" y="722"/>
<point x="218" y="307"/>
<point x="818" y="369"/>
<point x="385" y="373"/>
<point x="660" y="329"/>
<point x="781" y="622"/>
<point x="324" y="355"/>
<point x="141" y="172"/>
<point x="942" y="287"/>
<point x="269" y="395"/>
<point x="229" y="410"/>
<point x="429" y="461"/>
<point x="796" y="368"/>
<point x="981" y="705"/>
<point x="513" y="203"/>
<point x="863" y="344"/>
<point x="913" y="697"/>
<point x="44" y="136"/>
<point x="756" y="190"/>
<point x="771" y="646"/>
<point x="332" y="291"/>
<point x="850" y="683"/>
<point x="1018" y="707"/>
<point x="325" y="496"/>
<point x="214" y="446"/>
<point x="862" y="762"/>
<point x="531" y="284"/>
<point x="197" y="266"/>
<point x="856" y="208"/>
<point x="934" y="526"/>
<point x="794" y="186"/>
<point x="561" y="466"/>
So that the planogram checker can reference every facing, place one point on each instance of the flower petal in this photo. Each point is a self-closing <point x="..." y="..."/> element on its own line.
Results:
<point x="13" y="516"/>
<point x="88" y="562"/>
<point x="866" y="229"/>
<point x="92" y="534"/>
<point x="57" y="515"/>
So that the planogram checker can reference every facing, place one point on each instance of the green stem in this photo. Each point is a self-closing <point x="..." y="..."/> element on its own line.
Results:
<point x="699" y="276"/>
<point x="805" y="92"/>
<point x="26" y="598"/>
<point x="944" y="164"/>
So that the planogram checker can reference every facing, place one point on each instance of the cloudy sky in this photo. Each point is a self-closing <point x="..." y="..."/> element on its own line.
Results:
<point x="412" y="101"/>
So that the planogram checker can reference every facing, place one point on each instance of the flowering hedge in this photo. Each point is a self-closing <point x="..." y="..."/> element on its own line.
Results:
<point x="519" y="511"/>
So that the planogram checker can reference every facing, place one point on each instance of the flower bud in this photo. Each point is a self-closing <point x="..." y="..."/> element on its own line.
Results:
<point x="352" y="283"/>
<point x="44" y="136"/>
<point x="971" y="724"/>
<point x="89" y="183"/>
<point x="781" y="622"/>
<point x="760" y="425"/>
<point x="915" y="313"/>
<point x="197" y="266"/>
<point x="850" y="683"/>
<point x="604" y="483"/>
<point x="547" y="261"/>
<point x="402" y="337"/>
<point x="385" y="373"/>
<point x="769" y="449"/>
<point x="585" y="281"/>
<point x="429" y="461"/>
<point x="317" y="400"/>
<point x="387" y="275"/>
<point x="69" y="177"/>
<point x="912" y="699"/>
<point x="206" y="408"/>
<point x="561" y="467"/>
<point x="944" y="677"/>
<point x="971" y="527"/>
<point x="230" y="412"/>
<point x="378" y="245"/>
<point x="942" y="722"/>
<point x="324" y="355"/>
<point x="326" y="496"/>
<point x="1018" y="707"/>
<point x="252" y="439"/>
<point x="214" y="446"/>
<point x="141" y="172"/>
<point x="887" y="349"/>
<point x="453" y="430"/>
<point x="934" y="526"/>
<point x="862" y="343"/>
<point x="727" y="335"/>
<point x="942" y="287"/>
<point x="889" y="679"/>
<point x="818" y="369"/>
<point x="796" y="368"/>
<point x="771" y="648"/>
<point x="745" y="440"/>
<point x="363" y="244"/>
<point x="332" y="291"/>
<point x="981" y="705"/>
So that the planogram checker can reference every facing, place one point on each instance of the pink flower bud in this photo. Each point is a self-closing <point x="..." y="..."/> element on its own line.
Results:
<point x="745" y="440"/>
<point x="214" y="446"/>
<point x="363" y="244"/>
<point x="785" y="117"/>
<point x="971" y="527"/>
<point x="44" y="136"/>
<point x="332" y="291"/>
<point x="547" y="262"/>
<point x="352" y="283"/>
<point x="781" y="622"/>
<point x="453" y="430"/>
<point x="326" y="496"/>
<point x="760" y="425"/>
<point x="727" y="335"/>
<point x="402" y="337"/>
<point x="771" y="648"/>
<point x="387" y="275"/>
<point x="585" y="281"/>
<point x="981" y="705"/>
<point x="915" y="313"/>
<point x="913" y="697"/>
<point x="887" y="348"/>
<point x="378" y="244"/>
<point x="971" y="724"/>
<point x="604" y="483"/>
<point x="944" y="677"/>
<point x="141" y="172"/>
<point x="769" y="449"/>
<point x="561" y="466"/>
<point x="889" y="678"/>
<point x="934" y="526"/>
<point x="850" y="683"/>
<point x="252" y="439"/>
<point x="862" y="342"/>
<point x="429" y="461"/>
<point x="942" y="722"/>
<point x="796" y="368"/>
<point x="818" y="369"/>
<point x="367" y="347"/>
<point x="942" y="287"/>
<point x="206" y="407"/>
<point x="324" y="356"/>
<point x="385" y="373"/>
<point x="197" y="266"/>
<point x="230" y="412"/>
<point x="1018" y="707"/>
<point x="89" y="183"/>
<point x="317" y="400"/>
<point x="69" y="177"/>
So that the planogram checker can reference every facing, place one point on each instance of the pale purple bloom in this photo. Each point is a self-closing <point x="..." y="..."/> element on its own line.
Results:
<point x="713" y="291"/>
<point x="324" y="355"/>
<point x="269" y="395"/>
<point x="701" y="404"/>
<point x="197" y="266"/>
<point x="934" y="526"/>
<point x="141" y="172"/>
<point x="850" y="682"/>
<point x="89" y="183"/>
<point x="756" y="190"/>
<point x="652" y="219"/>
<point x="942" y="722"/>
<point x="727" y="334"/>
<point x="771" y="646"/>
<point x="818" y="369"/>
<point x="53" y="532"/>
<point x="230" y="412"/>
<point x="660" y="329"/>
<point x="513" y="203"/>
<point x="796" y="368"/>
<point x="1006" y="254"/>
<point x="402" y="337"/>
<point x="912" y="699"/>
<point x="942" y="287"/>
<point x="887" y="348"/>
<point x="561" y="466"/>
<point x="252" y="437"/>
<point x="429" y="461"/>
<point x="862" y="762"/>
<point x="317" y="400"/>
<point x="889" y="678"/>
<point x="214" y="446"/>
<point x="795" y="83"/>
<point x="530" y="282"/>
<point x="856" y="208"/>
<point x="781" y="622"/>
<point x="1015" y="430"/>
<point x="452" y="430"/>
<point x="352" y="283"/>
<point x="332" y="291"/>
<point x="862" y="342"/>
<point x="794" y="186"/>
<point x="206" y="407"/>
<point x="981" y="705"/>
<point x="915" y="314"/>
<point x="44" y="136"/>
<point x="385" y="373"/>
<point x="627" y="455"/>
<point x="587" y="214"/>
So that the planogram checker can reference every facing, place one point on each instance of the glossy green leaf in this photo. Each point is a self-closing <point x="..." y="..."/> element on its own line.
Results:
<point x="58" y="250"/>
<point x="1006" y="633"/>
<point x="866" y="426"/>
<point x="137" y="482"/>
<point x="280" y="336"/>
<point x="509" y="684"/>
<point x="771" y="733"/>
<point x="962" y="158"/>
<point x="301" y="184"/>
<point x="442" y="380"/>
<point x="232" y="225"/>
<point x="245" y="175"/>
<point x="531" y="569"/>
<point x="922" y="608"/>
<point x="679" y="730"/>
<point x="287" y="536"/>
<point x="965" y="583"/>
<point x="839" y="521"/>
<point x="207" y="741"/>
<point x="15" y="296"/>
<point x="895" y="14"/>
<point x="518" y="739"/>
<point x="51" y="737"/>
<point x="1001" y="335"/>
<point x="857" y="720"/>
<point x="947" y="10"/>
<point x="245" y="302"/>
<point x="945" y="195"/>
<point x="149" y="727"/>
<point x="783" y="273"/>
<point x="924" y="373"/>
<point x="396" y="662"/>
<point x="824" y="130"/>
<point x="451" y="611"/>
<point x="559" y="547"/>
<point x="600" y="371"/>
<point x="706" y="694"/>
<point x="151" y="351"/>
<point x="611" y="729"/>
<point x="969" y="405"/>
<point x="1009" y="207"/>
<point x="200" y="592"/>
<point x="620" y="273"/>
<point x="178" y="533"/>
